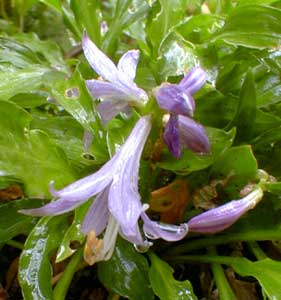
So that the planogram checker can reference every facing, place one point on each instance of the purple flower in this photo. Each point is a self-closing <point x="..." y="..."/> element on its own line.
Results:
<point x="117" y="89"/>
<point x="117" y="206"/>
<point x="181" y="130"/>
<point x="222" y="217"/>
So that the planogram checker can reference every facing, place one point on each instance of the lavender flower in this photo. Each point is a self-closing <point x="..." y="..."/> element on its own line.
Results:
<point x="181" y="131"/>
<point x="119" y="89"/>
<point x="222" y="217"/>
<point x="117" y="206"/>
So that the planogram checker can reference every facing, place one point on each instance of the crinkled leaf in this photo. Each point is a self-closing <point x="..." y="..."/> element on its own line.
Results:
<point x="178" y="56"/>
<point x="199" y="28"/>
<point x="164" y="284"/>
<point x="14" y="223"/>
<point x="126" y="273"/>
<point x="30" y="155"/>
<point x="253" y="26"/>
<point x="73" y="96"/>
<point x="35" y="270"/>
<point x="162" y="18"/>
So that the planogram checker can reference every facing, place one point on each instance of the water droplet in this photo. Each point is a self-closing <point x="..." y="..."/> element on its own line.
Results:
<point x="143" y="248"/>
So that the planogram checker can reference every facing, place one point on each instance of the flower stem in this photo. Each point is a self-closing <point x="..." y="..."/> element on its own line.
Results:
<point x="225" y="291"/>
<point x="256" y="249"/>
<point x="207" y="259"/>
<point x="62" y="286"/>
<point x="14" y="244"/>
<point x="260" y="235"/>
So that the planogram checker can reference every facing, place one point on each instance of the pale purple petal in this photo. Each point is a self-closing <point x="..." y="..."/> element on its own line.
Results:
<point x="124" y="199"/>
<point x="168" y="232"/>
<point x="110" y="108"/>
<point x="106" y="90"/>
<point x="193" y="135"/>
<point x="54" y="208"/>
<point x="84" y="188"/>
<point x="175" y="100"/>
<point x="101" y="64"/>
<point x="136" y="238"/>
<point x="193" y="80"/>
<point x="97" y="215"/>
<point x="128" y="63"/>
<point x="171" y="136"/>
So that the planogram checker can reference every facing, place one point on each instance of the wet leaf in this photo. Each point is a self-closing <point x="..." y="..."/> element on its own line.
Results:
<point x="163" y="283"/>
<point x="254" y="26"/>
<point x="30" y="154"/>
<point x="14" y="223"/>
<point x="132" y="267"/>
<point x="35" y="270"/>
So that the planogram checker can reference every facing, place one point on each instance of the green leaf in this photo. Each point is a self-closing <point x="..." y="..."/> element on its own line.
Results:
<point x="198" y="29"/>
<point x="56" y="4"/>
<point x="87" y="15"/>
<point x="273" y="187"/>
<point x="29" y="154"/>
<point x="244" y="119"/>
<point x="13" y="223"/>
<point x="178" y="56"/>
<point x="254" y="26"/>
<point x="68" y="134"/>
<point x="74" y="97"/>
<point x="13" y="82"/>
<point x="220" y="141"/>
<point x="239" y="164"/>
<point x="35" y="270"/>
<point x="73" y="234"/>
<point x="126" y="273"/>
<point x="266" y="271"/>
<point x="163" y="283"/>
<point x="161" y="20"/>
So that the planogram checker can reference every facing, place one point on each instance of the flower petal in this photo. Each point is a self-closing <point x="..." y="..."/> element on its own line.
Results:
<point x="128" y="63"/>
<point x="109" y="239"/>
<point x="222" y="217"/>
<point x="105" y="90"/>
<point x="193" y="135"/>
<point x="110" y="108"/>
<point x="174" y="99"/>
<point x="193" y="80"/>
<point x="89" y="186"/>
<point x="167" y="232"/>
<point x="171" y="136"/>
<point x="54" y="208"/>
<point x="97" y="215"/>
<point x="101" y="64"/>
<point x="124" y="199"/>
<point x="136" y="238"/>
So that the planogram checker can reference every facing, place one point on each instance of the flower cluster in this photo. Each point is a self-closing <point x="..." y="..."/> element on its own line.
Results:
<point x="117" y="207"/>
<point x="181" y="130"/>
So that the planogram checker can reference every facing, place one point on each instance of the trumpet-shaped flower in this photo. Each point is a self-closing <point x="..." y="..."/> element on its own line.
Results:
<point x="181" y="130"/>
<point x="117" y="89"/>
<point x="222" y="217"/>
<point x="117" y="206"/>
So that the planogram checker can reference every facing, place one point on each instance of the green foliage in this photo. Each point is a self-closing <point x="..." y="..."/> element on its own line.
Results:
<point x="129" y="265"/>
<point x="35" y="267"/>
<point x="46" y="111"/>
<point x="163" y="283"/>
